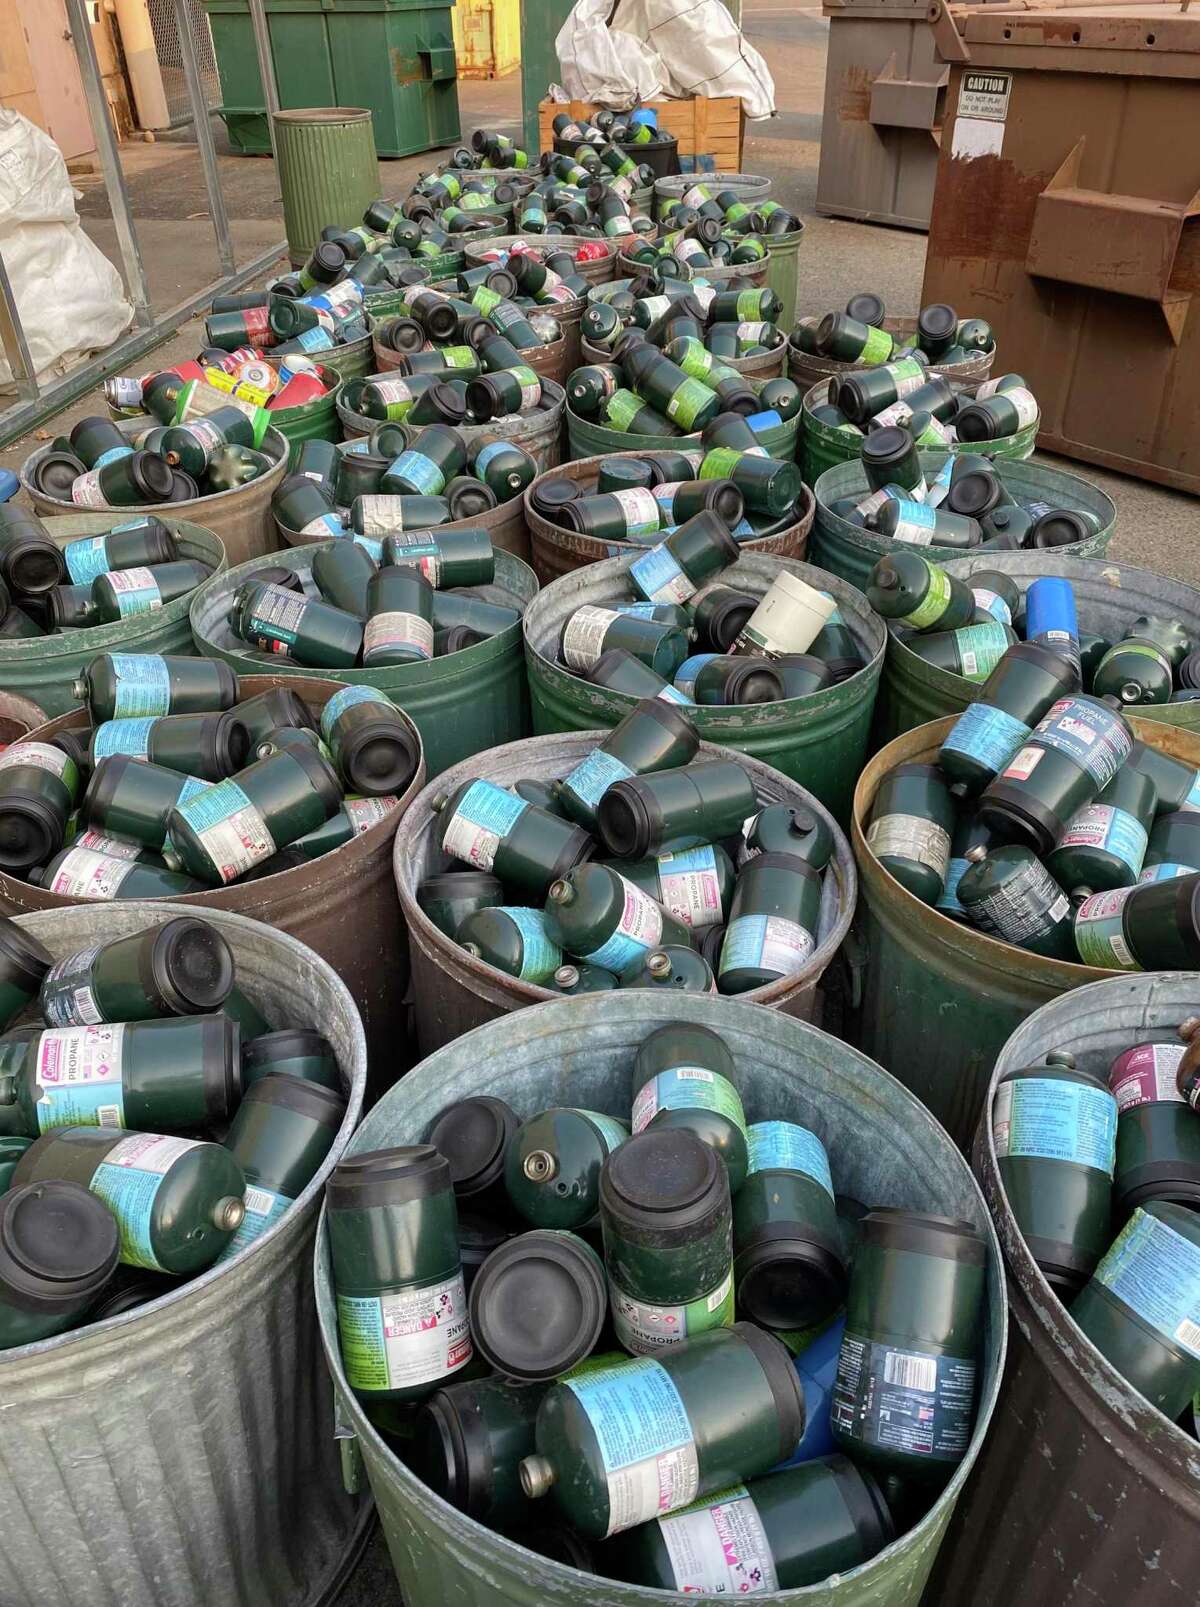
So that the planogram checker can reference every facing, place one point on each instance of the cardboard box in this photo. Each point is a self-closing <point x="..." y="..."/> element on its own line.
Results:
<point x="709" y="132"/>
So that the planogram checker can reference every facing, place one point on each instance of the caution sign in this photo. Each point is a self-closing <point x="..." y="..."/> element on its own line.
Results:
<point x="985" y="95"/>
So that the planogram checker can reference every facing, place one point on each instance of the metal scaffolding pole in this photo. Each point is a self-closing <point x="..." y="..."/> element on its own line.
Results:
<point x="12" y="337"/>
<point x="266" y="67"/>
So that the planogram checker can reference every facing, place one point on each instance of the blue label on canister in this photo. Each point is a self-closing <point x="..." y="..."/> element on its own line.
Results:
<point x="420" y="472"/>
<point x="1156" y="1273"/>
<point x="685" y="675"/>
<point x="788" y="1147"/>
<point x="346" y="699"/>
<point x="986" y="734"/>
<point x="1047" y="1118"/>
<point x="122" y="736"/>
<point x="592" y="778"/>
<point x="1167" y="871"/>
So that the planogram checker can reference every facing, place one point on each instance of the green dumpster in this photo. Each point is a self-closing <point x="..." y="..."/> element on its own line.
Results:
<point x="395" y="57"/>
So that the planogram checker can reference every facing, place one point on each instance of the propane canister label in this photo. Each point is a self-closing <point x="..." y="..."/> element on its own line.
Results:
<point x="1091" y="734"/>
<point x="86" y="492"/>
<point x="1030" y="904"/>
<point x="685" y="675"/>
<point x="980" y="647"/>
<point x="986" y="734"/>
<point x="83" y="873"/>
<point x="583" y="637"/>
<point x="904" y="1400"/>
<point x="644" y="1437"/>
<point x="788" y="1147"/>
<point x="1045" y="1118"/>
<point x="992" y="603"/>
<point x="406" y="1338"/>
<point x="691" y="886"/>
<point x="620" y="410"/>
<point x="592" y="778"/>
<point x="688" y="400"/>
<point x="910" y="837"/>
<point x="1115" y="831"/>
<point x="367" y="812"/>
<point x="765" y="943"/>
<point x="123" y="736"/>
<point x="687" y="1088"/>
<point x="947" y="900"/>
<point x="276" y="618"/>
<point x="1167" y="871"/>
<point x="483" y="818"/>
<point x="658" y="576"/>
<point x="915" y="522"/>
<point x="540" y="955"/>
<point x="934" y="603"/>
<point x="116" y="847"/>
<point x="143" y="685"/>
<point x="638" y="930"/>
<point x="128" y="1180"/>
<point x="526" y="378"/>
<point x="639" y="510"/>
<point x="1025" y="403"/>
<point x="420" y="472"/>
<point x="418" y="552"/>
<point x="345" y="699"/>
<point x="67" y="999"/>
<point x="718" y="1547"/>
<point x="643" y="1328"/>
<point x="42" y="756"/>
<point x="325" y="524"/>
<point x="79" y="1069"/>
<point x="230" y="829"/>
<point x="398" y="628"/>
<point x="381" y="515"/>
<point x="1146" y="1075"/>
<point x="136" y="591"/>
<point x="1099" y="931"/>
<point x="86" y="559"/>
<point x="263" y="1209"/>
<point x="612" y="1132"/>
<point x="1156" y="1273"/>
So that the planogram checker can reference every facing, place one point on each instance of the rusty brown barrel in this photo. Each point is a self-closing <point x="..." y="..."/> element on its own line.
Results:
<point x="342" y="905"/>
<point x="18" y="716"/>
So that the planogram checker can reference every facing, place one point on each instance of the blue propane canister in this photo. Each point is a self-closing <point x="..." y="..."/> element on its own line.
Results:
<point x="816" y="1362"/>
<point x="9" y="485"/>
<point x="1052" y="620"/>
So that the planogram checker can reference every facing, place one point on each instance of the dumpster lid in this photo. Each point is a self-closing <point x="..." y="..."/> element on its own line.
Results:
<point x="1156" y="39"/>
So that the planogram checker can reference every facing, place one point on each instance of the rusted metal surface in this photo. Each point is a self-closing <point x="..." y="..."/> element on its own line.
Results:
<point x="341" y="905"/>
<point x="453" y="992"/>
<point x="1084" y="1492"/>
<point x="17" y="716"/>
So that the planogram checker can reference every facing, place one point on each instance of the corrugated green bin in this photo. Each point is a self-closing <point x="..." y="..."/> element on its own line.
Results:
<point x="328" y="171"/>
<point x="394" y="57"/>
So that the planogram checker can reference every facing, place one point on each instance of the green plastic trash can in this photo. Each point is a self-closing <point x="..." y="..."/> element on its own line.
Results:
<point x="328" y="171"/>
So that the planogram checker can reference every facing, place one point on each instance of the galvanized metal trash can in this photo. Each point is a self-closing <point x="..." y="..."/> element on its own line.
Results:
<point x="181" y="1453"/>
<point x="1084" y="1491"/>
<point x="883" y="1147"/>
<point x="328" y="171"/>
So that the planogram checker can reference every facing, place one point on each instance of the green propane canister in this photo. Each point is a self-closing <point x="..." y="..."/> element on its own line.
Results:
<point x="210" y="746"/>
<point x="621" y="515"/>
<point x="1173" y="846"/>
<point x="795" y="1527"/>
<point x="594" y="914"/>
<point x="513" y="939"/>
<point x="1176" y="783"/>
<point x="294" y="1052"/>
<point x="469" y="1442"/>
<point x="191" y="446"/>
<point x="177" y="1201"/>
<point x="937" y="329"/>
<point x="1158" y="1136"/>
<point x="1141" y="667"/>
<point x="590" y="633"/>
<point x="220" y="834"/>
<point x="1015" y="698"/>
<point x="96" y="441"/>
<point x="626" y="412"/>
<point x="664" y="613"/>
<point x="918" y="593"/>
<point x="468" y="612"/>
<point x="850" y="340"/>
<point x="125" y="686"/>
<point x="89" y="874"/>
<point x="1009" y="894"/>
<point x="1055" y="1131"/>
<point x="789" y="616"/>
<point x="904" y="1399"/>
<point x="392" y="399"/>
<point x="182" y="968"/>
<point x="125" y="592"/>
<point x="131" y="798"/>
<point x="342" y="572"/>
<point x="885" y="390"/>
<point x="674" y="570"/>
<point x="428" y="465"/>
<point x="654" y="735"/>
<point x="789" y="1264"/>
<point x="39" y="783"/>
<point x="173" y="1075"/>
<point x="720" y="613"/>
<point x="590" y="387"/>
<point x="474" y="1134"/>
<point x="1141" y="1308"/>
<point x="695" y="885"/>
<point x="301" y="505"/>
<point x="58" y="1252"/>
<point x="912" y="820"/>
<point x="622" y="672"/>
<point x="768" y="485"/>
<point x="996" y="594"/>
<point x="397" y="1273"/>
<point x="488" y="828"/>
<point x="1105" y="844"/>
<point x="685" y="1078"/>
<point x="374" y="749"/>
<point x="723" y="1407"/>
<point x="130" y="481"/>
<point x="571" y="979"/>
<point x="538" y="1305"/>
<point x="505" y="468"/>
<point x="687" y="402"/>
<point x="282" y="1131"/>
<point x="399" y="623"/>
<point x="772" y="922"/>
<point x="675" y="809"/>
<point x="275" y="620"/>
<point x="11" y="1150"/>
<point x="672" y="965"/>
<point x="967" y="834"/>
<point x="552" y="1166"/>
<point x="542" y="793"/>
<point x="971" y="652"/>
<point x="1075" y="751"/>
<point x="24" y="963"/>
<point x="996" y="416"/>
<point x="356" y="816"/>
<point x="790" y="829"/>
<point x="445" y="558"/>
<point x="668" y="1239"/>
<point x="132" y="546"/>
<point x="900" y="519"/>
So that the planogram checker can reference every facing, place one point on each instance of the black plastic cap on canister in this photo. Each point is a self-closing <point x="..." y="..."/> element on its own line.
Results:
<point x="274" y="1053"/>
<point x="664" y="1181"/>
<point x="319" y="1104"/>
<point x="152" y="476"/>
<point x="937" y="322"/>
<point x="752" y="680"/>
<point x="380" y="756"/>
<point x="1058" y="528"/>
<point x="277" y="575"/>
<point x="23" y="960"/>
<point x="775" y="1359"/>
<point x="784" y="1280"/>
<point x="474" y="1135"/>
<point x="923" y="1233"/>
<point x="538" y="1305"/>
<point x="974" y="494"/>
<point x="58" y="1246"/>
<point x="868" y="308"/>
<point x="888" y="446"/>
<point x="191" y="966"/>
<point x="548" y="497"/>
<point x="227" y="743"/>
<point x="31" y="832"/>
<point x="865" y="1502"/>
<point x="388" y="1177"/>
<point x="728" y="503"/>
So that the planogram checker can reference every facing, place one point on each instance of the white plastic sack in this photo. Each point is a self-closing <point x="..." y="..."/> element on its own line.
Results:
<point x="652" y="47"/>
<point x="71" y="298"/>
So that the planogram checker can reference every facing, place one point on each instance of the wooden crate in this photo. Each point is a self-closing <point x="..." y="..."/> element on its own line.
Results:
<point x="709" y="131"/>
